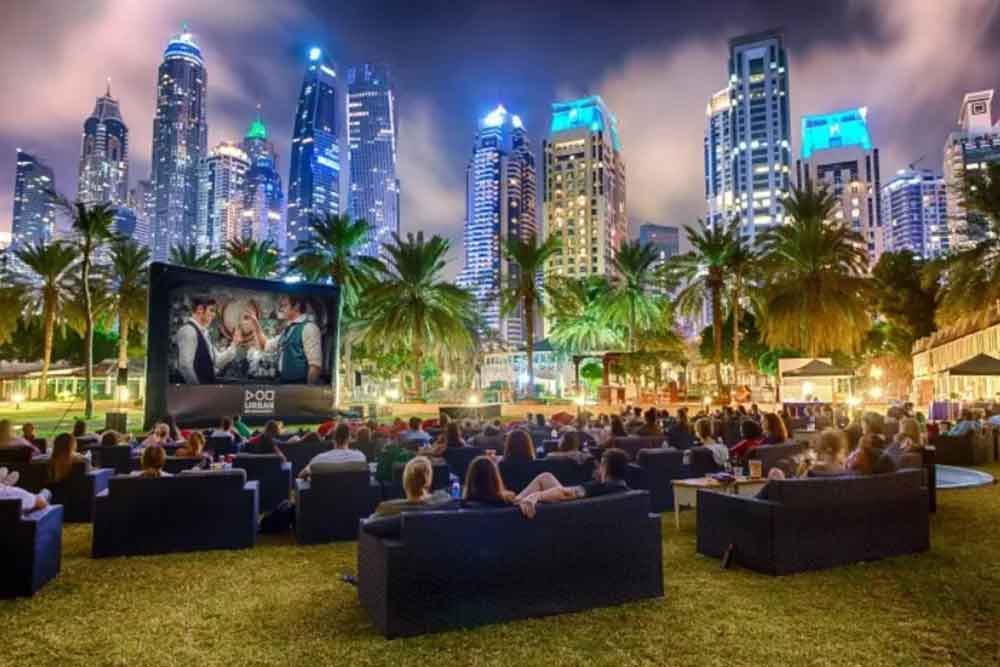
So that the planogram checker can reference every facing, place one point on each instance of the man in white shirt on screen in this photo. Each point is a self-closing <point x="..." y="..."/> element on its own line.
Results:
<point x="299" y="346"/>
<point x="197" y="359"/>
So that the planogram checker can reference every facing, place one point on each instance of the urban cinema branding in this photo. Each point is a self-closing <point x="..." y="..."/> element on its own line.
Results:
<point x="258" y="402"/>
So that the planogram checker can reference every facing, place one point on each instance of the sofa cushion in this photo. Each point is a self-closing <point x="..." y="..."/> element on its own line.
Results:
<point x="831" y="491"/>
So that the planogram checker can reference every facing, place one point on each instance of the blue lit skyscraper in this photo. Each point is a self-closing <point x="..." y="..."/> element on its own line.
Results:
<point x="104" y="155"/>
<point x="500" y="205"/>
<point x="180" y="143"/>
<point x="34" y="207"/>
<point x="263" y="200"/>
<point x="371" y="131"/>
<point x="915" y="213"/>
<point x="718" y="148"/>
<point x="314" y="180"/>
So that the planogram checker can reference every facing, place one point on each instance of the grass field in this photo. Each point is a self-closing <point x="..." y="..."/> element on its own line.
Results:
<point x="282" y="604"/>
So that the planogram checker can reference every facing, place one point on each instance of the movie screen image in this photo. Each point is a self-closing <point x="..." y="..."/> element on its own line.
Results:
<point x="228" y="335"/>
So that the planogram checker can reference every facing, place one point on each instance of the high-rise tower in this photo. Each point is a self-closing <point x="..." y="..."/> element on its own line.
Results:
<point x="34" y="206"/>
<point x="263" y="215"/>
<point x="223" y="187"/>
<point x="180" y="142"/>
<point x="371" y="130"/>
<point x="718" y="160"/>
<point x="915" y="213"/>
<point x="500" y="205"/>
<point x="584" y="188"/>
<point x="974" y="143"/>
<point x="104" y="155"/>
<point x="315" y="187"/>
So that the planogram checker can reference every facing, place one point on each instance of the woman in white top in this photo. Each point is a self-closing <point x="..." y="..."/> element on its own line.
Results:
<point x="159" y="436"/>
<point x="703" y="431"/>
<point x="29" y="501"/>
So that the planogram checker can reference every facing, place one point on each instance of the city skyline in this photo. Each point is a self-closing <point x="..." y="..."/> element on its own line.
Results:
<point x="638" y="72"/>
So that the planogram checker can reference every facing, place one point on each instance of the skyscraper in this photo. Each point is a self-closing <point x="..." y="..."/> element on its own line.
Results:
<point x="584" y="181"/>
<point x="500" y="205"/>
<point x="34" y="208"/>
<point x="263" y="215"/>
<point x="314" y="181"/>
<point x="915" y="213"/>
<point x="142" y="199"/>
<point x="180" y="142"/>
<point x="837" y="153"/>
<point x="104" y="155"/>
<point x="371" y="130"/>
<point x="718" y="160"/>
<point x="223" y="187"/>
<point x="973" y="144"/>
<point x="760" y="130"/>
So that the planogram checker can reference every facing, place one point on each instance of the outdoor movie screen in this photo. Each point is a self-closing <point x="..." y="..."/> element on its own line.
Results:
<point x="224" y="345"/>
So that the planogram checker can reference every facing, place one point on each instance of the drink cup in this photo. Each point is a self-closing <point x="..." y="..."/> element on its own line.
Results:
<point x="756" y="469"/>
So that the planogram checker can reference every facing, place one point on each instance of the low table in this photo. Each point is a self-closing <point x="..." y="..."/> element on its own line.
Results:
<point x="686" y="491"/>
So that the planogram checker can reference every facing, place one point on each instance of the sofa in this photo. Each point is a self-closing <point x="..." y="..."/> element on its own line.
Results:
<point x="817" y="523"/>
<point x="329" y="505"/>
<point x="119" y="458"/>
<point x="655" y="470"/>
<point x="76" y="493"/>
<point x="193" y="511"/>
<point x="633" y="444"/>
<point x="273" y="474"/>
<point x="299" y="454"/>
<point x="463" y="568"/>
<point x="394" y="489"/>
<point x="969" y="449"/>
<point x="176" y="465"/>
<point x="517" y="475"/>
<point x="459" y="458"/>
<point x="220" y="446"/>
<point x="16" y="454"/>
<point x="769" y="455"/>
<point x="30" y="548"/>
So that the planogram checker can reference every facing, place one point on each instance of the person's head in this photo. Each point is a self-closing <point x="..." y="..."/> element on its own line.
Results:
<point x="342" y="436"/>
<point x="540" y="420"/>
<point x="872" y="423"/>
<point x="272" y="429"/>
<point x="617" y="427"/>
<point x="311" y="436"/>
<point x="910" y="428"/>
<point x="6" y="432"/>
<point x="110" y="438"/>
<point x="650" y="417"/>
<point x="61" y="459"/>
<point x="774" y="427"/>
<point x="28" y="431"/>
<point x="570" y="441"/>
<point x="682" y="417"/>
<point x="79" y="428"/>
<point x="703" y="429"/>
<point x="363" y="434"/>
<point x="153" y="459"/>
<point x="196" y="443"/>
<point x="415" y="423"/>
<point x="161" y="431"/>
<point x="754" y="410"/>
<point x="614" y="464"/>
<point x="966" y="416"/>
<point x="291" y="307"/>
<point x="749" y="429"/>
<point x="483" y="481"/>
<point x="202" y="309"/>
<point x="453" y="435"/>
<point x="831" y="445"/>
<point x="637" y="412"/>
<point x="518" y="447"/>
<point x="417" y="476"/>
<point x="491" y="431"/>
<point x="225" y="424"/>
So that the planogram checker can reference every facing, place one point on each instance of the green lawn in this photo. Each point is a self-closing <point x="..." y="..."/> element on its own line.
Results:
<point x="51" y="417"/>
<point x="282" y="604"/>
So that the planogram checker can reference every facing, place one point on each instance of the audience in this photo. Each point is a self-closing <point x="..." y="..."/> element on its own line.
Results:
<point x="417" y="477"/>
<point x="775" y="432"/>
<point x="272" y="430"/>
<point x="174" y="432"/>
<point x="194" y="448"/>
<point x="703" y="429"/>
<point x="569" y="448"/>
<point x="650" y="428"/>
<point x="618" y="427"/>
<point x="518" y="447"/>
<point x="160" y="435"/>
<point x="451" y="438"/>
<point x="830" y="448"/>
<point x="8" y="439"/>
<point x="679" y="435"/>
<point x="225" y="429"/>
<point x="80" y="431"/>
<point x="966" y="423"/>
<point x="242" y="429"/>
<point x="484" y="485"/>
<point x="546" y="488"/>
<point x="111" y="439"/>
<point x="29" y="501"/>
<point x="266" y="442"/>
<point x="752" y="438"/>
<point x="868" y="457"/>
<point x="415" y="434"/>
<point x="63" y="457"/>
<point x="152" y="461"/>
<point x="341" y="457"/>
<point x="909" y="437"/>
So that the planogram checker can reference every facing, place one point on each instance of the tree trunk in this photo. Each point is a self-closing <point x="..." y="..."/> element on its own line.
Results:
<point x="717" y="335"/>
<point x="49" y="316"/>
<point x="529" y="342"/>
<point x="418" y="363"/>
<point x="335" y="371"/>
<point x="123" y="326"/>
<point x="348" y="368"/>
<point x="88" y="392"/>
<point x="736" y="328"/>
<point x="631" y="325"/>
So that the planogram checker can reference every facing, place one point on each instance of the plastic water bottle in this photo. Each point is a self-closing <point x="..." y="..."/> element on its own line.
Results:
<point x="456" y="490"/>
<point x="555" y="434"/>
<point x="687" y="457"/>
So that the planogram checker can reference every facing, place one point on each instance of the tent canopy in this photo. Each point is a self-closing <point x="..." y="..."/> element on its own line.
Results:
<point x="817" y="369"/>
<point x="981" y="364"/>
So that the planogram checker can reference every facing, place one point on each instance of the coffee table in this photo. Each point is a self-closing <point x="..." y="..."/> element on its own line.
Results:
<point x="686" y="491"/>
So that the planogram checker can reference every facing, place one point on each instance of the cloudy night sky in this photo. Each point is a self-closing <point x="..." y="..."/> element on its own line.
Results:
<point x="655" y="63"/>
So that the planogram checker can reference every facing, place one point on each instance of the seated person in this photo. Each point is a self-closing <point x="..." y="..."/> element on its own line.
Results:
<point x="518" y="447"/>
<point x="868" y="458"/>
<point x="272" y="430"/>
<point x="484" y="486"/>
<point x="8" y="439"/>
<point x="266" y="442"/>
<point x="909" y="437"/>
<point x="679" y="434"/>
<point x="241" y="429"/>
<point x="618" y="427"/>
<point x="546" y="488"/>
<point x="830" y="448"/>
<point x="965" y="424"/>
<point x="111" y="439"/>
<point x="225" y="430"/>
<point x="451" y="438"/>
<point x="650" y="427"/>
<point x="417" y="477"/>
<point x="703" y="430"/>
<point x="152" y="461"/>
<point x="569" y="448"/>
<point x="341" y="457"/>
<point x="775" y="432"/>
<point x="63" y="457"/>
<point x="160" y="435"/>
<point x="540" y="421"/>
<point x="753" y="437"/>
<point x="80" y="431"/>
<point x="415" y="434"/>
<point x="29" y="501"/>
<point x="194" y="448"/>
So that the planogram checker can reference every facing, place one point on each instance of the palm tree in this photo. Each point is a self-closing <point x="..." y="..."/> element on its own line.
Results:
<point x="129" y="262"/>
<point x="578" y="323"/>
<point x="628" y="304"/>
<point x="50" y="262"/>
<point x="251" y="258"/>
<point x="701" y="274"/>
<point x="525" y="292"/>
<point x="741" y="263"/>
<point x="189" y="256"/>
<point x="815" y="289"/>
<point x="413" y="306"/>
<point x="331" y="252"/>
<point x="12" y="301"/>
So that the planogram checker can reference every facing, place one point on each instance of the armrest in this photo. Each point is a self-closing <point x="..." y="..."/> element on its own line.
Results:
<point x="745" y="522"/>
<point x="286" y="466"/>
<point x="101" y="477"/>
<point x="252" y="486"/>
<point x="302" y="485"/>
<point x="635" y="476"/>
<point x="46" y="514"/>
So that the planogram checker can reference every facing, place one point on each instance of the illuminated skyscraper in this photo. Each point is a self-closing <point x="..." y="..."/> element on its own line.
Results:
<point x="719" y="160"/>
<point x="584" y="196"/>
<point x="142" y="200"/>
<point x="180" y="142"/>
<point x="104" y="155"/>
<point x="760" y="130"/>
<point x="915" y="213"/>
<point x="371" y="109"/>
<point x="315" y="187"/>
<point x="500" y="205"/>
<point x="34" y="208"/>
<point x="837" y="152"/>
<point x="263" y="200"/>
<point x="969" y="148"/>
<point x="223" y="187"/>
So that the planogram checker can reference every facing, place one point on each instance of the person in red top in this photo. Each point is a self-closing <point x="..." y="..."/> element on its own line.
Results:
<point x="753" y="437"/>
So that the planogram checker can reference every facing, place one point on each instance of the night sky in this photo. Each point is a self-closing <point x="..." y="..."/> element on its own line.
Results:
<point x="655" y="63"/>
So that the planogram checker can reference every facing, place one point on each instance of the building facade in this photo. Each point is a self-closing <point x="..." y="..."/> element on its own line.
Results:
<point x="142" y="200"/>
<point x="973" y="144"/>
<point x="315" y="187"/>
<point x="263" y="212"/>
<point x="760" y="130"/>
<point x="34" y="208"/>
<point x="837" y="153"/>
<point x="371" y="130"/>
<point x="719" y="160"/>
<point x="584" y="188"/>
<point x="103" y="176"/>
<point x="223" y="187"/>
<point x="915" y="213"/>
<point x="180" y="142"/>
<point x="501" y="192"/>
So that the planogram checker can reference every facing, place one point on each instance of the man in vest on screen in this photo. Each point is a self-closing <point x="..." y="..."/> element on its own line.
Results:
<point x="197" y="359"/>
<point x="299" y="346"/>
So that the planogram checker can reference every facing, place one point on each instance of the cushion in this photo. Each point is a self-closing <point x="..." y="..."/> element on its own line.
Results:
<point x="328" y="467"/>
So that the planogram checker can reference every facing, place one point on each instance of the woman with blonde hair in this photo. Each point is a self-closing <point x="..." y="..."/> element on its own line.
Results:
<point x="830" y="447"/>
<point x="417" y="477"/>
<point x="63" y="457"/>
<point x="194" y="448"/>
<point x="775" y="431"/>
<point x="909" y="438"/>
